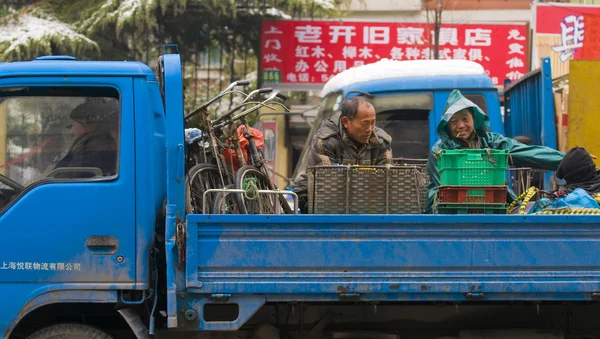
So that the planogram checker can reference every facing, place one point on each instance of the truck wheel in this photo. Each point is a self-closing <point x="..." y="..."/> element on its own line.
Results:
<point x="69" y="331"/>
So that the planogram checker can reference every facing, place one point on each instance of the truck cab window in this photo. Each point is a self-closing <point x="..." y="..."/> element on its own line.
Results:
<point x="50" y="133"/>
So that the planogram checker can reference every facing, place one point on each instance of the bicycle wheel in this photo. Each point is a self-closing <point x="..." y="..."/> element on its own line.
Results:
<point x="250" y="179"/>
<point x="200" y="178"/>
<point x="225" y="203"/>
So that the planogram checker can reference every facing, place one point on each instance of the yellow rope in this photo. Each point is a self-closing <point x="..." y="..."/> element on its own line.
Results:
<point x="525" y="197"/>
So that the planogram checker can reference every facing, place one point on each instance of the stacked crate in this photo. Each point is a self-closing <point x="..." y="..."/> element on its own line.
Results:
<point x="472" y="181"/>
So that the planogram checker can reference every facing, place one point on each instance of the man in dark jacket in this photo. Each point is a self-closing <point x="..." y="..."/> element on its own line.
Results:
<point x="93" y="147"/>
<point x="464" y="125"/>
<point x="348" y="138"/>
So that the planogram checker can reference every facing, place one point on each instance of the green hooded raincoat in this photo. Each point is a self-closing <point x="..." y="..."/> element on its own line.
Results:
<point x="539" y="157"/>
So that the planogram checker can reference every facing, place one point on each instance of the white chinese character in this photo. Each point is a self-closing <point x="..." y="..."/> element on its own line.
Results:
<point x="515" y="62"/>
<point x="516" y="48"/>
<point x="273" y="30"/>
<point x="276" y="44"/>
<point x="413" y="53"/>
<point x="426" y="53"/>
<point x="308" y="34"/>
<point x="571" y="36"/>
<point x="515" y="34"/>
<point x="339" y="65"/>
<point x="318" y="52"/>
<point x="321" y="66"/>
<point x="303" y="77"/>
<point x="475" y="54"/>
<point x="20" y="266"/>
<point x="302" y="52"/>
<point x="4" y="265"/>
<point x="349" y="52"/>
<point x="448" y="36"/>
<point x="459" y="54"/>
<point x="52" y="266"/>
<point x="396" y="53"/>
<point x="358" y="63"/>
<point x="445" y="53"/>
<point x="301" y="66"/>
<point x="410" y="36"/>
<point x="68" y="267"/>
<point x="60" y="266"/>
<point x="478" y="37"/>
<point x="271" y="57"/>
<point x="376" y="35"/>
<point x="365" y="53"/>
<point x="12" y="265"/>
<point x="345" y="31"/>
<point x="44" y="266"/>
<point x="37" y="266"/>
<point x="325" y="77"/>
<point x="494" y="80"/>
<point x="514" y="75"/>
<point x="28" y="266"/>
<point x="77" y="267"/>
<point x="291" y="77"/>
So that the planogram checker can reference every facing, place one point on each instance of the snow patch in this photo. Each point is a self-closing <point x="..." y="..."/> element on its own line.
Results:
<point x="24" y="29"/>
<point x="327" y="4"/>
<point x="390" y="69"/>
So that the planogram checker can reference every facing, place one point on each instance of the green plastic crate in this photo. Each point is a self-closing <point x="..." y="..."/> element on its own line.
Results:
<point x="472" y="208"/>
<point x="473" y="167"/>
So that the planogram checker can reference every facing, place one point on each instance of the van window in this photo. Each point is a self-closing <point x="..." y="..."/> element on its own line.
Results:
<point x="58" y="133"/>
<point x="406" y="118"/>
<point x="479" y="100"/>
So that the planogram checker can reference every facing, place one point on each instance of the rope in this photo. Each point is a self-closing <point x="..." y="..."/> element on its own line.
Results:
<point x="525" y="197"/>
<point x="250" y="188"/>
<point x="568" y="210"/>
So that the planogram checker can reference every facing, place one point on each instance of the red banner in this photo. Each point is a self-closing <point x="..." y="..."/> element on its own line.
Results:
<point x="591" y="40"/>
<point x="566" y="22"/>
<point x="311" y="52"/>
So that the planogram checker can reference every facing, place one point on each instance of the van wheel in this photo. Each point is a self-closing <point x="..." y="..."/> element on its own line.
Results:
<point x="69" y="331"/>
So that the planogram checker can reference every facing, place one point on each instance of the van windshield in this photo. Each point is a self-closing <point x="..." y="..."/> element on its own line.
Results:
<point x="404" y="116"/>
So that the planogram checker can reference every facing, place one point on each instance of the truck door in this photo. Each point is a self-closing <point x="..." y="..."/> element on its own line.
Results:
<point x="67" y="183"/>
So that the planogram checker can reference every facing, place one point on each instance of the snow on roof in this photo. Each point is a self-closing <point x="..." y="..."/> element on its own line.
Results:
<point x="22" y="30"/>
<point x="390" y="69"/>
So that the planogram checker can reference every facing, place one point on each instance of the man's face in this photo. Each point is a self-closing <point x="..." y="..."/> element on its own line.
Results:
<point x="361" y="127"/>
<point x="461" y="124"/>
<point x="78" y="129"/>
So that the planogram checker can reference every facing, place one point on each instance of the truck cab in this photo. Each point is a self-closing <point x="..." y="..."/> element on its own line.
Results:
<point x="409" y="98"/>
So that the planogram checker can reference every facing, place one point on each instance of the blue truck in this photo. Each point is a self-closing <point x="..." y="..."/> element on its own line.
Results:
<point x="111" y="253"/>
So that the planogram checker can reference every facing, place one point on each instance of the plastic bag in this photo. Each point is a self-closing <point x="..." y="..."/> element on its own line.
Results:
<point x="230" y="155"/>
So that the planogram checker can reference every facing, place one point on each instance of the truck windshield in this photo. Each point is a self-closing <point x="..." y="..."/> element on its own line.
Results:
<point x="62" y="134"/>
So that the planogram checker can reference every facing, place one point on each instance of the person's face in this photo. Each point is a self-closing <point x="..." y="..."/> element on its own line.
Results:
<point x="361" y="127"/>
<point x="461" y="124"/>
<point x="77" y="129"/>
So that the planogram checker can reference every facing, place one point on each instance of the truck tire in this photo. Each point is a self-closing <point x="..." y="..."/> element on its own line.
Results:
<point x="69" y="331"/>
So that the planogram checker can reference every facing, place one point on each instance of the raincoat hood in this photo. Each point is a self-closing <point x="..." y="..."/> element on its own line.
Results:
<point x="457" y="102"/>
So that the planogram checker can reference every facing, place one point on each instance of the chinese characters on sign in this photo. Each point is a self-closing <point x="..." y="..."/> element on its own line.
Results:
<point x="561" y="32"/>
<point x="314" y="51"/>
<point x="39" y="266"/>
<point x="571" y="36"/>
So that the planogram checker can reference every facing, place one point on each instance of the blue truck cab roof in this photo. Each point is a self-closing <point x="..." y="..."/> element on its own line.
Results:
<point x="70" y="66"/>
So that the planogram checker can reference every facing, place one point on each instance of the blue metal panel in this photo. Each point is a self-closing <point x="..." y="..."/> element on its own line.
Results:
<point x="408" y="257"/>
<point x="150" y="183"/>
<point x="75" y="68"/>
<point x="173" y="89"/>
<point x="529" y="109"/>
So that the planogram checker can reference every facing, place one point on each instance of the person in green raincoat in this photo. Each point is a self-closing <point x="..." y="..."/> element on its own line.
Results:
<point x="464" y="125"/>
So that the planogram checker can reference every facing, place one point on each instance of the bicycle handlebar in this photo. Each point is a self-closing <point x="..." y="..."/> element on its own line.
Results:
<point x="221" y="123"/>
<point x="220" y="95"/>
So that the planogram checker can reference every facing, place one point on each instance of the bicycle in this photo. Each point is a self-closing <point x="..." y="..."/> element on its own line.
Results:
<point x="252" y="178"/>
